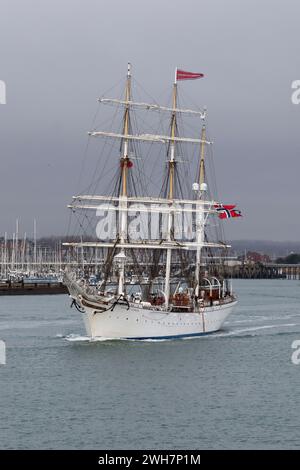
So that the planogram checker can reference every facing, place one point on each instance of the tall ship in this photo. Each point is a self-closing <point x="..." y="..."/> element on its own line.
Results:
<point x="157" y="234"/>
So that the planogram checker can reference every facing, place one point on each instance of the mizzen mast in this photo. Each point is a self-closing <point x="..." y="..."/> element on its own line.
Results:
<point x="200" y="189"/>
<point x="202" y="156"/>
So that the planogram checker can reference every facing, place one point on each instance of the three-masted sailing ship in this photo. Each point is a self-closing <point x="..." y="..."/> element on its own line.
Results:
<point x="166" y="284"/>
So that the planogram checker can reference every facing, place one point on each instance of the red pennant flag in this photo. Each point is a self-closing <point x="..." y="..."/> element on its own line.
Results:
<point x="182" y="75"/>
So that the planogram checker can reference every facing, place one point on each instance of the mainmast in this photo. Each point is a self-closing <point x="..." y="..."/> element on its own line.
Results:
<point x="200" y="188"/>
<point x="172" y="163"/>
<point x="124" y="177"/>
<point x="172" y="146"/>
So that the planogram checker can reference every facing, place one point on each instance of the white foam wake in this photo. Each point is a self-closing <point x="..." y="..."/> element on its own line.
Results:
<point x="253" y="328"/>
<point x="78" y="338"/>
<point x="254" y="319"/>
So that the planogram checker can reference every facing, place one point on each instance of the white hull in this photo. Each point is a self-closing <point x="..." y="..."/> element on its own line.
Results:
<point x="141" y="323"/>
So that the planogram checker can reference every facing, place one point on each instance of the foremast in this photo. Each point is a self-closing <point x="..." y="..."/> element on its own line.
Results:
<point x="124" y="163"/>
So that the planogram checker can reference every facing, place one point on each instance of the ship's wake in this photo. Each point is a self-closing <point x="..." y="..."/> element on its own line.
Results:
<point x="254" y="330"/>
<point x="73" y="338"/>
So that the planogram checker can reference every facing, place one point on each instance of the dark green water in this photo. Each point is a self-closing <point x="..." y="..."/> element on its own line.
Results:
<point x="235" y="389"/>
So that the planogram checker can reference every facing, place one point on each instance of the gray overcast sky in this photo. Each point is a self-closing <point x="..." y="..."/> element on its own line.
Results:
<point x="57" y="57"/>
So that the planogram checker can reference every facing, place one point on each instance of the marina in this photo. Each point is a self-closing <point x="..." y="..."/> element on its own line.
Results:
<point x="38" y="266"/>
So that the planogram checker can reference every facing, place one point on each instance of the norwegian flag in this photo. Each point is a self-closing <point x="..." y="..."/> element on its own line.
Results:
<point x="183" y="75"/>
<point x="227" y="211"/>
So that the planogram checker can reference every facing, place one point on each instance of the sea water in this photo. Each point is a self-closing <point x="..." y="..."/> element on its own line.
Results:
<point x="237" y="388"/>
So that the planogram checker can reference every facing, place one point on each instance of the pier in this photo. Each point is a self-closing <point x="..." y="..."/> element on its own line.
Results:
<point x="9" y="287"/>
<point x="265" y="271"/>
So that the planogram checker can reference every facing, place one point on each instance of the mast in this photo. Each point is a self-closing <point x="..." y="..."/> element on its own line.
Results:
<point x="82" y="257"/>
<point x="201" y="188"/>
<point x="23" y="252"/>
<point x="172" y="163"/>
<point x="34" y="246"/>
<point x="124" y="176"/>
<point x="124" y="158"/>
<point x="202" y="156"/>
<point x="5" y="255"/>
<point x="17" y="244"/>
<point x="172" y="146"/>
<point x="13" y="253"/>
